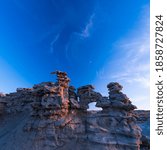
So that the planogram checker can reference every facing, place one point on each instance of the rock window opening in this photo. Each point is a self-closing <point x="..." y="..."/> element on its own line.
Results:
<point x="92" y="106"/>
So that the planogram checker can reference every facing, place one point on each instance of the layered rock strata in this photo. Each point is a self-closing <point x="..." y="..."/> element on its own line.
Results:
<point x="18" y="101"/>
<point x="2" y="103"/>
<point x="122" y="119"/>
<point x="87" y="95"/>
<point x="143" y="121"/>
<point x="53" y="116"/>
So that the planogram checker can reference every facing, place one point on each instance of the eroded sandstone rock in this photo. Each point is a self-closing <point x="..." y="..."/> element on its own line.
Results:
<point x="143" y="121"/>
<point x="54" y="116"/>
<point x="116" y="100"/>
<point x="87" y="95"/>
<point x="2" y="103"/>
<point x="74" y="104"/>
<point x="18" y="101"/>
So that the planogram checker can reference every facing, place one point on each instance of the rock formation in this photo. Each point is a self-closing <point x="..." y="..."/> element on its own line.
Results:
<point x="2" y="103"/>
<point x="143" y="121"/>
<point x="74" y="104"/>
<point x="52" y="116"/>
<point x="87" y="95"/>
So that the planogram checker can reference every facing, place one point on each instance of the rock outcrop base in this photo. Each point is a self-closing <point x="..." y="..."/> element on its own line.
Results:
<point x="54" y="116"/>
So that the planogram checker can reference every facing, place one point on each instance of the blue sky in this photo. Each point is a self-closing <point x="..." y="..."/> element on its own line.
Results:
<point x="95" y="42"/>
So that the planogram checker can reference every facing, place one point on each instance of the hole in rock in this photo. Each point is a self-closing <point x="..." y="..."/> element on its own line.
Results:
<point x="78" y="99"/>
<point x="92" y="106"/>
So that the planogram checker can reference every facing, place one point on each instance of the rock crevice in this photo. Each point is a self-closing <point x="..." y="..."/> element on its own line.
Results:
<point x="57" y="117"/>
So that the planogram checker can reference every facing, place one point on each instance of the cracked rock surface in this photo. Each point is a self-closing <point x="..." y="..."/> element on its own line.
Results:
<point x="54" y="116"/>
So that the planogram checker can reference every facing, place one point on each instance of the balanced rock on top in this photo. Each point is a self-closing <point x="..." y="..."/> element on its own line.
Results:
<point x="116" y="100"/>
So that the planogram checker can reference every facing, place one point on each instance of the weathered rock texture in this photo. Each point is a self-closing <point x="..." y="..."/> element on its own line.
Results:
<point x="53" y="116"/>
<point x="2" y="103"/>
<point x="143" y="121"/>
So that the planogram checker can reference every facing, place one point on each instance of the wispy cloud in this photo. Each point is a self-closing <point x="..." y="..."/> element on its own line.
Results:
<point x="77" y="37"/>
<point x="86" y="31"/>
<point x="136" y="67"/>
<point x="53" y="43"/>
<point x="134" y="53"/>
<point x="132" y="65"/>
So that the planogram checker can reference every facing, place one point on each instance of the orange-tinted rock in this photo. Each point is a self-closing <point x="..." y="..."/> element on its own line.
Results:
<point x="53" y="116"/>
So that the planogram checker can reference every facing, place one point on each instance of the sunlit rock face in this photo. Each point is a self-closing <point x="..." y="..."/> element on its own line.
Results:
<point x="52" y="116"/>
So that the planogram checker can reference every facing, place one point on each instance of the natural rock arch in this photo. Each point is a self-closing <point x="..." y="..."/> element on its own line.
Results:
<point x="53" y="118"/>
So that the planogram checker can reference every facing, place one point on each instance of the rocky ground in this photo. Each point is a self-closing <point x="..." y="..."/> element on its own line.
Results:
<point x="52" y="116"/>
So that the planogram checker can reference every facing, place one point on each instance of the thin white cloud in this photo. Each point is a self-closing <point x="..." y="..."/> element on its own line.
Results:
<point x="86" y="31"/>
<point x="53" y="43"/>
<point x="132" y="66"/>
<point x="77" y="37"/>
<point x="137" y="66"/>
<point x="135" y="57"/>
